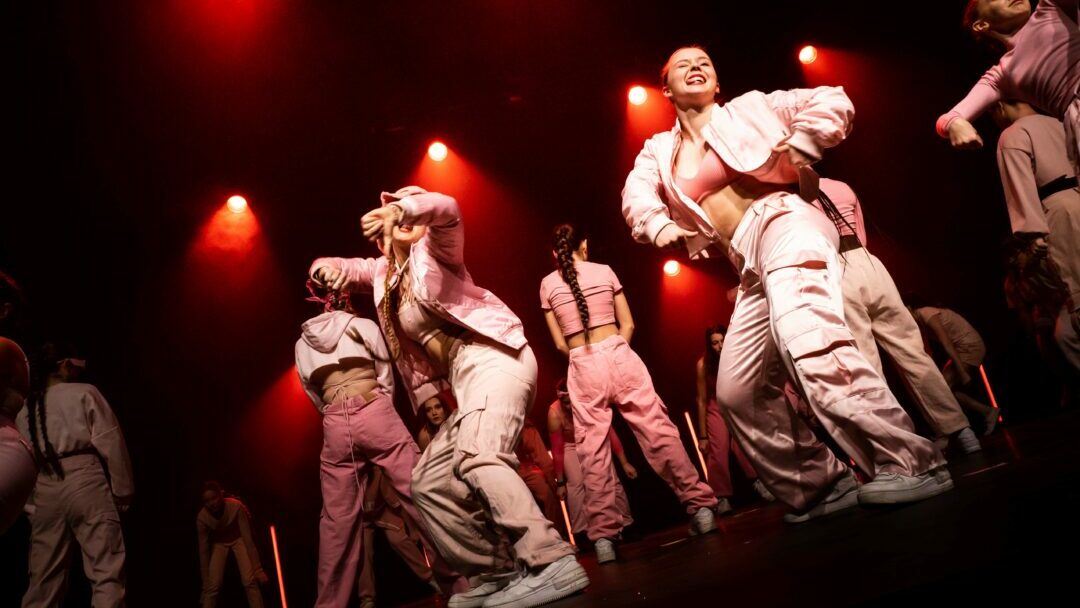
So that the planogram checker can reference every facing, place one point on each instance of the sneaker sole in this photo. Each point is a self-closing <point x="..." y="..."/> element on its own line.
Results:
<point x="561" y="587"/>
<point x="843" y="503"/>
<point x="928" y="489"/>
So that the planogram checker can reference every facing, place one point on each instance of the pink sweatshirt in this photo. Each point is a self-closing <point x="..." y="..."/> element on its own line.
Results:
<point x="441" y="283"/>
<point x="1042" y="67"/>
<point x="324" y="342"/>
<point x="599" y="285"/>
<point x="743" y="132"/>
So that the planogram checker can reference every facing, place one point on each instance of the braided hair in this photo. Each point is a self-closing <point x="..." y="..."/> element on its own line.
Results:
<point x="44" y="451"/>
<point x="565" y="241"/>
<point x="389" y="304"/>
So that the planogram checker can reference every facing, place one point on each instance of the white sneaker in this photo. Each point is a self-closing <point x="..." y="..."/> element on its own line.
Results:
<point x="704" y="521"/>
<point x="560" y="578"/>
<point x="475" y="597"/>
<point x="763" y="492"/>
<point x="843" y="495"/>
<point x="605" y="550"/>
<point x="967" y="441"/>
<point x="893" y="488"/>
<point x="723" y="507"/>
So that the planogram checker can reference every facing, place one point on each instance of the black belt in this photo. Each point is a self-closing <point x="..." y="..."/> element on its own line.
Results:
<point x="79" y="452"/>
<point x="1055" y="186"/>
<point x="849" y="242"/>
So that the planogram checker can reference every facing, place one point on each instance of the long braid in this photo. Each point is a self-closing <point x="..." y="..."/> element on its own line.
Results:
<point x="49" y="460"/>
<point x="565" y="243"/>
<point x="389" y="307"/>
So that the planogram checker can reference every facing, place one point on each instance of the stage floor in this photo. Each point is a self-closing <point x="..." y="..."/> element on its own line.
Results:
<point x="1010" y="529"/>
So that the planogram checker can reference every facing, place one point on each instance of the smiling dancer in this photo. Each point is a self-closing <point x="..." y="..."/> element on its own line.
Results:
<point x="726" y="175"/>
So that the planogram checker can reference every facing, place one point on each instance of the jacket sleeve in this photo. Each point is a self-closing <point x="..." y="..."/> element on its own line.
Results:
<point x="642" y="206"/>
<point x="359" y="272"/>
<point x="985" y="93"/>
<point x="819" y="118"/>
<point x="442" y="216"/>
<point x="108" y="440"/>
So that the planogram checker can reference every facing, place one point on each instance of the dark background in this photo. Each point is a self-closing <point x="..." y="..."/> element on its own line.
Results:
<point x="130" y="122"/>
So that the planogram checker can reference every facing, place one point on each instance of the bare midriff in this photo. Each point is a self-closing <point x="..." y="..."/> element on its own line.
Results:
<point x="353" y="376"/>
<point x="440" y="345"/>
<point x="726" y="207"/>
<point x="596" y="334"/>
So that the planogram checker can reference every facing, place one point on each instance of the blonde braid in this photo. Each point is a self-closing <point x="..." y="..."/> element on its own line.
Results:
<point x="389" y="307"/>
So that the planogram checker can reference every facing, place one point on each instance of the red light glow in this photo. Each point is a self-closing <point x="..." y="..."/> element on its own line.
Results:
<point x="672" y="268"/>
<point x="808" y="55"/>
<point x="438" y="151"/>
<point x="237" y="203"/>
<point x="638" y="95"/>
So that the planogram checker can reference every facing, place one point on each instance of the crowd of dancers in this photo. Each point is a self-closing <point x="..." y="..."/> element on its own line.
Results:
<point x="473" y="503"/>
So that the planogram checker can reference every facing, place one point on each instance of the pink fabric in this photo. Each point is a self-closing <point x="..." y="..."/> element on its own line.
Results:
<point x="17" y="473"/>
<point x="743" y="132"/>
<point x="321" y="345"/>
<point x="718" y="455"/>
<point x="1041" y="68"/>
<point x="440" y="282"/>
<point x="565" y="439"/>
<point x="466" y="485"/>
<point x="577" y="496"/>
<point x="789" y="313"/>
<point x="1031" y="153"/>
<point x="607" y="374"/>
<point x="568" y="468"/>
<point x="847" y="204"/>
<point x="356" y="435"/>
<point x="599" y="285"/>
<point x="712" y="175"/>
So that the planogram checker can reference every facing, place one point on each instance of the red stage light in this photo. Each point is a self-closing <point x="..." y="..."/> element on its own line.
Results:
<point x="638" y="95"/>
<point x="437" y="151"/>
<point x="672" y="268"/>
<point x="808" y="55"/>
<point x="237" y="203"/>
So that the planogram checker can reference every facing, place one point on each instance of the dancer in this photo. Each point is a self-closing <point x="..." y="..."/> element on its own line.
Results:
<point x="1043" y="200"/>
<point x="725" y="176"/>
<point x="877" y="317"/>
<point x="345" y="368"/>
<point x="437" y="321"/>
<point x="384" y="510"/>
<point x="569" y="477"/>
<point x="224" y="526"/>
<point x="85" y="483"/>
<point x="1038" y="67"/>
<point x="18" y="472"/>
<point x="714" y="439"/>
<point x="536" y="469"/>
<point x="966" y="351"/>
<point x="435" y="411"/>
<point x="590" y="321"/>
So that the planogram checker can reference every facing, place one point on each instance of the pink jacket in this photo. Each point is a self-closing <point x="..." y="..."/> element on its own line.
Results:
<point x="440" y="282"/>
<point x="743" y="133"/>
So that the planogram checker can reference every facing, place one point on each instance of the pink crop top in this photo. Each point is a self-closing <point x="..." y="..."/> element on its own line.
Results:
<point x="712" y="175"/>
<point x="599" y="285"/>
<point x="419" y="323"/>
